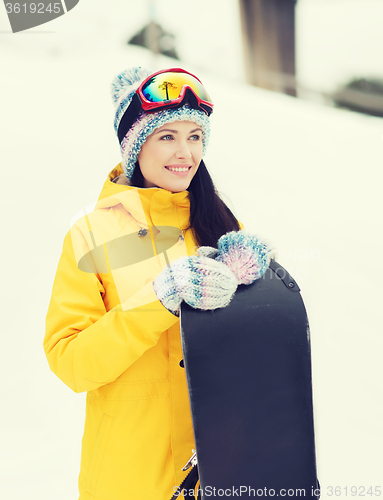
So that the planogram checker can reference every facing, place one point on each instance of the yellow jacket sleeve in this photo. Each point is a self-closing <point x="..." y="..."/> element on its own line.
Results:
<point x="86" y="345"/>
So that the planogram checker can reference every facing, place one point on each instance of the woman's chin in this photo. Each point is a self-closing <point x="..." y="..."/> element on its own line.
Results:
<point x="175" y="186"/>
<point x="176" y="189"/>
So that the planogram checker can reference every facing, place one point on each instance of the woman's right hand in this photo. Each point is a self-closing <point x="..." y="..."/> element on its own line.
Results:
<point x="200" y="281"/>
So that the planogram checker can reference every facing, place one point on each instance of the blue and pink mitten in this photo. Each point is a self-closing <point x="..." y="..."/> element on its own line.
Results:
<point x="209" y="279"/>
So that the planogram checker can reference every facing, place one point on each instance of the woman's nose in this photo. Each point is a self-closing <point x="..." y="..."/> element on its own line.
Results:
<point x="183" y="150"/>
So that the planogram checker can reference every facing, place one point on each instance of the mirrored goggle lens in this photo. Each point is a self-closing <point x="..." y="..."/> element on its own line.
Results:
<point x="168" y="86"/>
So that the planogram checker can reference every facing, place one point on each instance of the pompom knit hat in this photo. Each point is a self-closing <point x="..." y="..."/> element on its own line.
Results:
<point x="124" y="86"/>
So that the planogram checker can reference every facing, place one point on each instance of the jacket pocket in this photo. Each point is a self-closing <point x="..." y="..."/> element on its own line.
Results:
<point x="99" y="451"/>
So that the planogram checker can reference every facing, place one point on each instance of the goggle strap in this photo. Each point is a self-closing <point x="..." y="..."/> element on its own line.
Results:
<point x="129" y="117"/>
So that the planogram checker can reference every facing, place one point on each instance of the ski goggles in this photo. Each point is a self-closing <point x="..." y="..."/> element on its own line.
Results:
<point x="168" y="88"/>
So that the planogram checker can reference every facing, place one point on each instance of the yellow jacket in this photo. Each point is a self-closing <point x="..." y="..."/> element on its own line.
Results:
<point x="107" y="334"/>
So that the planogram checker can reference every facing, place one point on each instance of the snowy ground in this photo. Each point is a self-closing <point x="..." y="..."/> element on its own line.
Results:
<point x="308" y="178"/>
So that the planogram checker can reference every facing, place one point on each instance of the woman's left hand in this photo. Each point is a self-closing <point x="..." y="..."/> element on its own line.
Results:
<point x="246" y="255"/>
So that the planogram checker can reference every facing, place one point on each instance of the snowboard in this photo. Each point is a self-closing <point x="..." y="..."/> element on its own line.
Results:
<point x="248" y="369"/>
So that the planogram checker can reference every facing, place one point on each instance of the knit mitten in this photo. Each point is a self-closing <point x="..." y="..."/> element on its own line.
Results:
<point x="207" y="252"/>
<point x="201" y="282"/>
<point x="246" y="255"/>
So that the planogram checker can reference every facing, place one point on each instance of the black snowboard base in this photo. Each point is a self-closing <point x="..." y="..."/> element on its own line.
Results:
<point x="248" y="370"/>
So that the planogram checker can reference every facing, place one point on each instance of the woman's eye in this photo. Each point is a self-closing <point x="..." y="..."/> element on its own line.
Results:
<point x="195" y="137"/>
<point x="167" y="137"/>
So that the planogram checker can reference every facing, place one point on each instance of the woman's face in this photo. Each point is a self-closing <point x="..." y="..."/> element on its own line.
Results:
<point x="171" y="155"/>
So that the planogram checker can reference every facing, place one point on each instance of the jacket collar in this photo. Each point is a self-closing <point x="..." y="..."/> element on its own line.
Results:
<point x="146" y="205"/>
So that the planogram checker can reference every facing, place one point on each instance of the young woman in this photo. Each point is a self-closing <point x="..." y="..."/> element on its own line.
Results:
<point x="112" y="326"/>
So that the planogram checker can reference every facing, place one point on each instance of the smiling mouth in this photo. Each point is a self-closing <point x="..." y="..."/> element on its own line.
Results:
<point x="179" y="169"/>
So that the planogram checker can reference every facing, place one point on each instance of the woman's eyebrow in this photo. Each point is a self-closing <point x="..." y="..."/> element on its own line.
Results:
<point x="176" y="131"/>
<point x="166" y="130"/>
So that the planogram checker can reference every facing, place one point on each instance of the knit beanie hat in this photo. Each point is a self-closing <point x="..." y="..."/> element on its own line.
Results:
<point x="124" y="87"/>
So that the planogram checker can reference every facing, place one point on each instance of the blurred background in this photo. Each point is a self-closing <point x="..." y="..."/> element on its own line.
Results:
<point x="296" y="151"/>
<point x="322" y="50"/>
